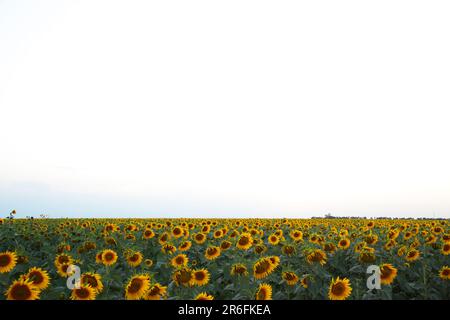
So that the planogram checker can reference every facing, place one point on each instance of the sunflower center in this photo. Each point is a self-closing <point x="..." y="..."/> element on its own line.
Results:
<point x="109" y="256"/>
<point x="82" y="293"/>
<point x="338" y="289"/>
<point x="21" y="292"/>
<point x="135" y="286"/>
<point x="91" y="281"/>
<point x="243" y="241"/>
<point x="36" y="277"/>
<point x="5" y="260"/>
<point x="262" y="293"/>
<point x="199" y="276"/>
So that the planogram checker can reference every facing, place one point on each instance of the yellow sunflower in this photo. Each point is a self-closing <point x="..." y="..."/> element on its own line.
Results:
<point x="200" y="277"/>
<point x="183" y="276"/>
<point x="273" y="239"/>
<point x="180" y="260"/>
<point x="84" y="292"/>
<point x="317" y="256"/>
<point x="340" y="289"/>
<point x="8" y="261"/>
<point x="344" y="243"/>
<point x="156" y="292"/>
<point x="264" y="292"/>
<point x="137" y="287"/>
<point x="212" y="253"/>
<point x="412" y="255"/>
<point x="199" y="238"/>
<point x="245" y="241"/>
<point x="444" y="273"/>
<point x="38" y="278"/>
<point x="22" y="289"/>
<point x="262" y="268"/>
<point x="238" y="269"/>
<point x="186" y="245"/>
<point x="93" y="280"/>
<point x="135" y="259"/>
<point x="388" y="273"/>
<point x="204" y="296"/>
<point x="109" y="257"/>
<point x="290" y="277"/>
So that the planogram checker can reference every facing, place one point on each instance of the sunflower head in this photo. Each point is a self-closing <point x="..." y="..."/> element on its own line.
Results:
<point x="22" y="289"/>
<point x="264" y="292"/>
<point x="137" y="287"/>
<point x="444" y="273"/>
<point x="388" y="273"/>
<point x="84" y="292"/>
<point x="340" y="289"/>
<point x="93" y="280"/>
<point x="109" y="257"/>
<point x="200" y="277"/>
<point x="38" y="278"/>
<point x="204" y="296"/>
<point x="8" y="261"/>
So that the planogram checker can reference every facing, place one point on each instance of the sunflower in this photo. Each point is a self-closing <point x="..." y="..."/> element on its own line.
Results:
<point x="199" y="238"/>
<point x="63" y="259"/>
<point x="412" y="255"/>
<point x="98" y="258"/>
<point x="135" y="259"/>
<point x="262" y="268"/>
<point x="445" y="249"/>
<point x="109" y="257"/>
<point x="273" y="239"/>
<point x="225" y="245"/>
<point x="22" y="289"/>
<point x="317" y="256"/>
<point x="204" y="296"/>
<point x="296" y="235"/>
<point x="245" y="241"/>
<point x="137" y="287"/>
<point x="212" y="253"/>
<point x="367" y="255"/>
<point x="200" y="277"/>
<point x="93" y="280"/>
<point x="186" y="245"/>
<point x="180" y="260"/>
<point x="38" y="278"/>
<point x="444" y="273"/>
<point x="290" y="277"/>
<point x="288" y="250"/>
<point x="163" y="238"/>
<point x="340" y="289"/>
<point x="183" y="276"/>
<point x="388" y="273"/>
<point x="148" y="234"/>
<point x="177" y="232"/>
<point x="329" y="247"/>
<point x="8" y="261"/>
<point x="156" y="292"/>
<point x="84" y="292"/>
<point x="238" y="269"/>
<point x="344" y="243"/>
<point x="305" y="282"/>
<point x="63" y="270"/>
<point x="274" y="261"/>
<point x="168" y="248"/>
<point x="264" y="292"/>
<point x="148" y="263"/>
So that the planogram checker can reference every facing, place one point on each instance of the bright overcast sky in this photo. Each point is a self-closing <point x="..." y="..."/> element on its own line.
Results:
<point x="225" y="108"/>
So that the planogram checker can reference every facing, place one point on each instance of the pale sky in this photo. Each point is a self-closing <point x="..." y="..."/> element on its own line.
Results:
<point x="225" y="108"/>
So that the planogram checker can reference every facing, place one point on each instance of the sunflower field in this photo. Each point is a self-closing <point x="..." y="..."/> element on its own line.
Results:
<point x="153" y="259"/>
